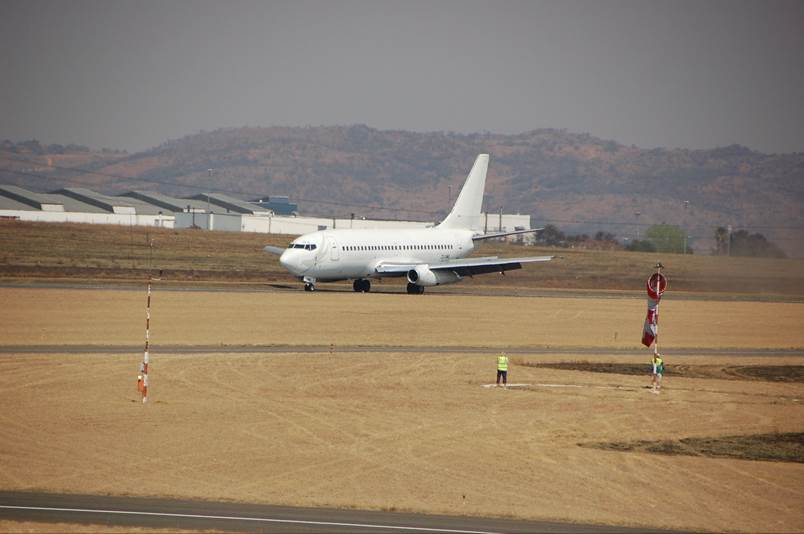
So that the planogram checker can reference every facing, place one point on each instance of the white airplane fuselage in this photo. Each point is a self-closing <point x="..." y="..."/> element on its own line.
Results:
<point x="329" y="255"/>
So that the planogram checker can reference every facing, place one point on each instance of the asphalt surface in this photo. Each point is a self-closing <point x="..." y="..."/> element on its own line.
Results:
<point x="242" y="517"/>
<point x="379" y="349"/>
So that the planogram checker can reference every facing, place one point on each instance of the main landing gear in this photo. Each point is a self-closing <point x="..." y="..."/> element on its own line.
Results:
<point x="309" y="287"/>
<point x="361" y="286"/>
<point x="413" y="289"/>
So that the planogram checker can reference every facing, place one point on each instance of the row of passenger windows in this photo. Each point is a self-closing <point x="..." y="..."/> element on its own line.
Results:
<point x="396" y="247"/>
<point x="299" y="245"/>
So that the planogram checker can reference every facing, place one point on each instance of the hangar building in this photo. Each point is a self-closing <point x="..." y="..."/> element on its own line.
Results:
<point x="212" y="211"/>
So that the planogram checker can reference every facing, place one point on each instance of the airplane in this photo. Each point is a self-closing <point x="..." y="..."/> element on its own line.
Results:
<point x="426" y="256"/>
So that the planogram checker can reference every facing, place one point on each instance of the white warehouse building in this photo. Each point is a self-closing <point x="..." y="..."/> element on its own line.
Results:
<point x="213" y="211"/>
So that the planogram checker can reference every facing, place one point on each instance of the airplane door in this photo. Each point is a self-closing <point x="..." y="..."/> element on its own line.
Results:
<point x="334" y="253"/>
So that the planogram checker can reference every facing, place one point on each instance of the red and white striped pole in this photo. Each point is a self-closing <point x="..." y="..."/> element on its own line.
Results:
<point x="142" y="378"/>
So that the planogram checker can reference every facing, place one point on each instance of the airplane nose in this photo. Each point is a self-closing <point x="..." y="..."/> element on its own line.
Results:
<point x="292" y="260"/>
<point x="284" y="260"/>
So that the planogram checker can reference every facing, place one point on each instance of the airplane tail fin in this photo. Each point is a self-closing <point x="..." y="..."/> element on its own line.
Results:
<point x="466" y="212"/>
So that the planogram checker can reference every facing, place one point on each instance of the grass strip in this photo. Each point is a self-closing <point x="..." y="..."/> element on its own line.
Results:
<point x="767" y="373"/>
<point x="776" y="447"/>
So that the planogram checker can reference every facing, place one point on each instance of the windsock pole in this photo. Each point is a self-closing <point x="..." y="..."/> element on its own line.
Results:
<point x="655" y="286"/>
<point x="142" y="378"/>
<point x="659" y="294"/>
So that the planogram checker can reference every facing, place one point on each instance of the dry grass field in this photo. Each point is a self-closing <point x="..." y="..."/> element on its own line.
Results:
<point x="406" y="431"/>
<point x="99" y="253"/>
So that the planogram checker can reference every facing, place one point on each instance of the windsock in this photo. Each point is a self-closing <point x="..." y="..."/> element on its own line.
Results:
<point x="656" y="285"/>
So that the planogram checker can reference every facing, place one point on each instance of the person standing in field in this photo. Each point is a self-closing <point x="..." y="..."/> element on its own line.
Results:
<point x="658" y="371"/>
<point x="502" y="369"/>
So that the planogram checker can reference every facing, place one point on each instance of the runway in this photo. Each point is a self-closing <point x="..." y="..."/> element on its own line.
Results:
<point x="452" y="291"/>
<point x="240" y="517"/>
<point x="380" y="349"/>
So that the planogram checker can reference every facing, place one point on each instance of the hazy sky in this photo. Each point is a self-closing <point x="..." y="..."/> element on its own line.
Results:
<point x="131" y="74"/>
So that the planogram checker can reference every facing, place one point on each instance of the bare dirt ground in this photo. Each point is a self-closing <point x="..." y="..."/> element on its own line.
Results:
<point x="407" y="431"/>
<point x="35" y="527"/>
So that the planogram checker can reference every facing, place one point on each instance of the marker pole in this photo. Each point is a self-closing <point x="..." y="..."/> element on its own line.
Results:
<point x="142" y="378"/>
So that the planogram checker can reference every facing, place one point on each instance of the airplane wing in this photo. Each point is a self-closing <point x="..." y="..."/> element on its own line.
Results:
<point x="463" y="266"/>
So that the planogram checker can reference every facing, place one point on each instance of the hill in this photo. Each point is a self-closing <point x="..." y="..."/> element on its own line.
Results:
<point x="577" y="181"/>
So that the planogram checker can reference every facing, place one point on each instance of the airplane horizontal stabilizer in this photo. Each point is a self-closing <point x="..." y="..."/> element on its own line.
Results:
<point x="504" y="234"/>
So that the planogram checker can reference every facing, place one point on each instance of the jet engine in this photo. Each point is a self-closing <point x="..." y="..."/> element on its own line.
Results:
<point x="423" y="276"/>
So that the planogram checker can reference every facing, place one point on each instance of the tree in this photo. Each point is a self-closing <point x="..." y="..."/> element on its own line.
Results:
<point x="666" y="238"/>
<point x="742" y="243"/>
<point x="745" y="244"/>
<point x="551" y="236"/>
<point x="638" y="245"/>
<point x="721" y="241"/>
<point x="605" y="236"/>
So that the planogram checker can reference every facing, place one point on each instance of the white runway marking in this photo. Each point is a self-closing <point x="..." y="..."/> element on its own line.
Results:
<point x="577" y="386"/>
<point x="583" y="386"/>
<point x="256" y="519"/>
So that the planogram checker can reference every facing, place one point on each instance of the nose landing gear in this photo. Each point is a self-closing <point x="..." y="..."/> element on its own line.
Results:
<point x="309" y="283"/>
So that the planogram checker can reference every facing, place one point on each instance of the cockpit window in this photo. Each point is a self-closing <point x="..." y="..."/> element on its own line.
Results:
<point x="302" y="246"/>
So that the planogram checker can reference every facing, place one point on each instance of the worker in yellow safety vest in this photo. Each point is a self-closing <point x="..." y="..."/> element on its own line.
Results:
<point x="502" y="369"/>
<point x="658" y="371"/>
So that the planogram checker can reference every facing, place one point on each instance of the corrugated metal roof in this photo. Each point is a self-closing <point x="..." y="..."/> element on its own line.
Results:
<point x="110" y="204"/>
<point x="7" y="203"/>
<point x="73" y="205"/>
<point x="234" y="205"/>
<point x="15" y="197"/>
<point x="161" y="202"/>
<point x="164" y="203"/>
<point x="145" y="208"/>
<point x="37" y="201"/>
<point x="82" y="200"/>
